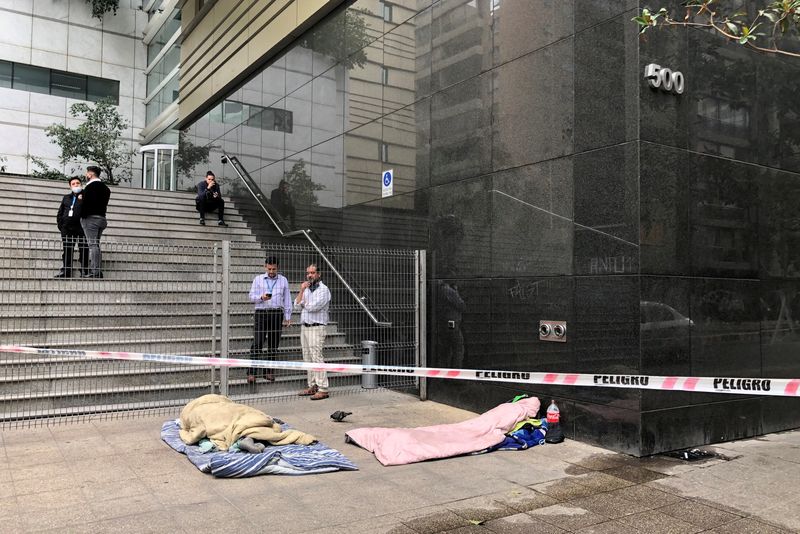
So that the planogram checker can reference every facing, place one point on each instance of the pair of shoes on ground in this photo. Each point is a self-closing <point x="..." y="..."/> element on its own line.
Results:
<point x="219" y="223"/>
<point x="314" y="393"/>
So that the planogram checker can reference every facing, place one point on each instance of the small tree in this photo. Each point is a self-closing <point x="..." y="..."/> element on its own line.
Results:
<point x="98" y="139"/>
<point x="302" y="185"/>
<point x="189" y="155"/>
<point x="333" y="37"/>
<point x="748" y="27"/>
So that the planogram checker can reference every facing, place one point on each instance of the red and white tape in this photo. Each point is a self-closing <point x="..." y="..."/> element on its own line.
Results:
<point x="780" y="387"/>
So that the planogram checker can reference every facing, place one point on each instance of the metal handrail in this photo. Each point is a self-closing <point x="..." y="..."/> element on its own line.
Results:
<point x="254" y="190"/>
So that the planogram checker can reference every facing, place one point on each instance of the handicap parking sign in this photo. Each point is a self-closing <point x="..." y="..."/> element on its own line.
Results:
<point x="387" y="183"/>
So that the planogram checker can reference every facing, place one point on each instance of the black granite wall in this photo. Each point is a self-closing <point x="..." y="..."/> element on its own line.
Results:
<point x="546" y="180"/>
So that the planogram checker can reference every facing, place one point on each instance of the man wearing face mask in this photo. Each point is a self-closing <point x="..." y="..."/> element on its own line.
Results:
<point x="69" y="224"/>
<point x="314" y="300"/>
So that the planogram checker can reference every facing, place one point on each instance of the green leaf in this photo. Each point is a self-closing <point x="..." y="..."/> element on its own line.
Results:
<point x="734" y="29"/>
<point x="743" y="39"/>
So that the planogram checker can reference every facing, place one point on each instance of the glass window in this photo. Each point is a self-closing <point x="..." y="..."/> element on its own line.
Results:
<point x="30" y="78"/>
<point x="5" y="73"/>
<point x="69" y="85"/>
<point x="164" y="34"/>
<point x="387" y="12"/>
<point x="99" y="89"/>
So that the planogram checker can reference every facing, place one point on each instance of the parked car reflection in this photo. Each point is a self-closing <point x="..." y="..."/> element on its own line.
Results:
<point x="665" y="338"/>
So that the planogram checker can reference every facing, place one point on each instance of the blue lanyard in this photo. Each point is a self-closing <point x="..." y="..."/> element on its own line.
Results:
<point x="270" y="287"/>
<point x="74" y="198"/>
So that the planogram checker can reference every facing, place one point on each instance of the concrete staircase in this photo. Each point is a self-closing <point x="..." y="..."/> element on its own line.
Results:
<point x="156" y="296"/>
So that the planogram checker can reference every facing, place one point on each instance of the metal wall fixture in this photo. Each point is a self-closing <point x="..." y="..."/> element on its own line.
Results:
<point x="668" y="80"/>
<point x="553" y="331"/>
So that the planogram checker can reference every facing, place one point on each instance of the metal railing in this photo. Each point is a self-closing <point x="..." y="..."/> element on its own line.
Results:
<point x="280" y="225"/>
<point x="170" y="299"/>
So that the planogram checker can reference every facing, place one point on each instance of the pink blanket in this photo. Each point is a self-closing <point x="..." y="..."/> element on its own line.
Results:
<point x="398" y="446"/>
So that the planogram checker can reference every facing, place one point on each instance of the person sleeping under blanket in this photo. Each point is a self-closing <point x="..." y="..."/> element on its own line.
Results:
<point x="224" y="422"/>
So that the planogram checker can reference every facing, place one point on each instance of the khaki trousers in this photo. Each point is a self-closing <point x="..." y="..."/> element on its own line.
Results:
<point x="312" y="338"/>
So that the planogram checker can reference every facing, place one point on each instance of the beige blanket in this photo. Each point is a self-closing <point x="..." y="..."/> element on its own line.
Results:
<point x="223" y="422"/>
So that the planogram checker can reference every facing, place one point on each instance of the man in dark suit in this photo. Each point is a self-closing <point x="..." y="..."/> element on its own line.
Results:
<point x="209" y="198"/>
<point x="69" y="224"/>
<point x="282" y="202"/>
<point x="93" y="217"/>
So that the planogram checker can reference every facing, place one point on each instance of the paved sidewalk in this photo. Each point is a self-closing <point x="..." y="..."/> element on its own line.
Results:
<point x="117" y="476"/>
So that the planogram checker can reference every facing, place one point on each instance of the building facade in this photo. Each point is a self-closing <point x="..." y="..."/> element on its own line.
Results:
<point x="53" y="54"/>
<point x="547" y="181"/>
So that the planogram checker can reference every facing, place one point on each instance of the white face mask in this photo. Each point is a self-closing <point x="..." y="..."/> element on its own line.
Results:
<point x="77" y="189"/>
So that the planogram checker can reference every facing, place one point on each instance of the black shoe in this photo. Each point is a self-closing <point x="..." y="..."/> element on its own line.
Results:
<point x="62" y="274"/>
<point x="202" y="222"/>
<point x="221" y="223"/>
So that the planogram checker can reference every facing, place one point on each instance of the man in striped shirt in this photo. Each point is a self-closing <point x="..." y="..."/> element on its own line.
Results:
<point x="314" y="300"/>
<point x="273" y="303"/>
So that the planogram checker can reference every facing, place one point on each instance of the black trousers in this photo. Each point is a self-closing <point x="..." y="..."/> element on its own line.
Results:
<point x="207" y="206"/>
<point x="69" y="241"/>
<point x="266" y="328"/>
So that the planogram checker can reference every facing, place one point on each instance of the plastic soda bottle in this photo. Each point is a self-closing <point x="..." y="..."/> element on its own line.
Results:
<point x="553" y="413"/>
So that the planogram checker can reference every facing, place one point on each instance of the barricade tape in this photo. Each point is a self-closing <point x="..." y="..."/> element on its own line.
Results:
<point x="779" y="387"/>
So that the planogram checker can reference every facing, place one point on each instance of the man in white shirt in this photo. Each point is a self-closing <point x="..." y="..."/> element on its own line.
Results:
<point x="273" y="310"/>
<point x="314" y="300"/>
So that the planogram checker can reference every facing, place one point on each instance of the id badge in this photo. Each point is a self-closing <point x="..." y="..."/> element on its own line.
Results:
<point x="69" y="214"/>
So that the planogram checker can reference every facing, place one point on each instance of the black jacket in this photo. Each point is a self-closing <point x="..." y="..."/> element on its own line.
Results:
<point x="206" y="194"/>
<point x="70" y="225"/>
<point x="95" y="199"/>
<point x="282" y="203"/>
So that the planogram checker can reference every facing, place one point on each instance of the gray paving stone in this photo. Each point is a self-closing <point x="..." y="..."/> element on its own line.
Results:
<point x="431" y="519"/>
<point x="523" y="499"/>
<point x="564" y="489"/>
<point x="646" y="496"/>
<point x="521" y="524"/>
<point x="655" y="521"/>
<point x="600" y="481"/>
<point x="567" y="516"/>
<point x="634" y="473"/>
<point x="699" y="514"/>
<point x="481" y="509"/>
<point x="609" y="504"/>
<point x="748" y="525"/>
<point x="609" y="527"/>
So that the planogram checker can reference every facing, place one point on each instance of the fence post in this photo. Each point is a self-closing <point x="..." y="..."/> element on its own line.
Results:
<point x="225" y="327"/>
<point x="214" y="319"/>
<point x="368" y="349"/>
<point x="421" y="319"/>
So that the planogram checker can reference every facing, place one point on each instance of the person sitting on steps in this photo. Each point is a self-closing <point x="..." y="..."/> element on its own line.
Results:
<point x="209" y="198"/>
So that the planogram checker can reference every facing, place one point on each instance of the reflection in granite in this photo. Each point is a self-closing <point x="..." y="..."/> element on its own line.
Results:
<point x="406" y="60"/>
<point x="513" y="20"/>
<point x="591" y="12"/>
<point x="726" y="332"/>
<point x="605" y="334"/>
<point x="533" y="107"/>
<point x="607" y="84"/>
<point x="723" y="218"/>
<point x="461" y="41"/>
<point x="461" y="120"/>
<point x="778" y="225"/>
<point x="780" y="327"/>
<point x="605" y="425"/>
<point x="607" y="211"/>
<point x="460" y="229"/>
<point x="665" y="330"/>
<point x="532" y="220"/>
<point x="745" y="103"/>
<point x="664" y="210"/>
<point x="460" y="320"/>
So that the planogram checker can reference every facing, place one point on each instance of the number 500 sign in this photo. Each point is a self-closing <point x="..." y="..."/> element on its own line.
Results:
<point x="664" y="79"/>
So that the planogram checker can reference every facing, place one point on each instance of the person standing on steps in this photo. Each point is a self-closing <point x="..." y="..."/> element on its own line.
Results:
<point x="209" y="198"/>
<point x="314" y="300"/>
<point x="93" y="217"/>
<point x="273" y="302"/>
<point x="69" y="224"/>
<point x="282" y="202"/>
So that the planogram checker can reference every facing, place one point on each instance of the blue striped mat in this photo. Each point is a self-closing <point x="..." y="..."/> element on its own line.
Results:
<point x="276" y="459"/>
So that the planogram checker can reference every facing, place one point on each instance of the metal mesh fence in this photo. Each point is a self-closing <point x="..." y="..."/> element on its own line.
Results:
<point x="167" y="299"/>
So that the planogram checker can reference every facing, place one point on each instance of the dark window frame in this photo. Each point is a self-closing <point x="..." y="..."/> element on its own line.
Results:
<point x="53" y="88"/>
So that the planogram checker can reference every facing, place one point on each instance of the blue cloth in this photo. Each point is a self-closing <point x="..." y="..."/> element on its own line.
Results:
<point x="529" y="435"/>
<point x="276" y="459"/>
